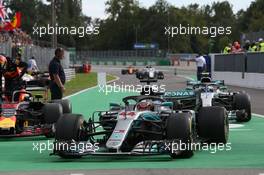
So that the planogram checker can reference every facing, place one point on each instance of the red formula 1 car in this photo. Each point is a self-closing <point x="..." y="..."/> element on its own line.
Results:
<point x="25" y="110"/>
<point x="27" y="113"/>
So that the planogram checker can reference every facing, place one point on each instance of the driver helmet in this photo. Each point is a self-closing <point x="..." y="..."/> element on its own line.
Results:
<point x="145" y="106"/>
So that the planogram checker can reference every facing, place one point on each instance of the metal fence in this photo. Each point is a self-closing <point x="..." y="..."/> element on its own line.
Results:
<point x="122" y="54"/>
<point x="43" y="55"/>
<point x="5" y="48"/>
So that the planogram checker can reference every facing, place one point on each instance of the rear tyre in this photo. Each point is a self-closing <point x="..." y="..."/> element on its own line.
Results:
<point x="213" y="124"/>
<point x="179" y="128"/>
<point x="66" y="105"/>
<point x="242" y="102"/>
<point x="52" y="112"/>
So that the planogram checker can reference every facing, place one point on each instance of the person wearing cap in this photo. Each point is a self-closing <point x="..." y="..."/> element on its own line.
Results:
<point x="261" y="45"/>
<point x="57" y="75"/>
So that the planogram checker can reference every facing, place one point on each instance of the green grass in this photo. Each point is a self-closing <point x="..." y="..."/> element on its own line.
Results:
<point x="81" y="82"/>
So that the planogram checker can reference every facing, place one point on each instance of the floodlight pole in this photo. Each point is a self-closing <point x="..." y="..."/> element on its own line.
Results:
<point x="54" y="16"/>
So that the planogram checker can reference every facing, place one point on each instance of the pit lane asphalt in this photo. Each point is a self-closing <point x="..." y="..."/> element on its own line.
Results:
<point x="172" y="82"/>
<point x="153" y="172"/>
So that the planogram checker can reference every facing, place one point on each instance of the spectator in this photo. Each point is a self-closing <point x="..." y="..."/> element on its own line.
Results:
<point x="228" y="49"/>
<point x="254" y="46"/>
<point x="261" y="45"/>
<point x="247" y="46"/>
<point x="32" y="65"/>
<point x="57" y="75"/>
<point x="236" y="48"/>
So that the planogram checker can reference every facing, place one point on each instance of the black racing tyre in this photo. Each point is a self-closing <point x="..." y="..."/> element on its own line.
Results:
<point x="213" y="124"/>
<point x="123" y="72"/>
<point x="66" y="105"/>
<point x="68" y="127"/>
<point x="242" y="102"/>
<point x="52" y="112"/>
<point x="179" y="128"/>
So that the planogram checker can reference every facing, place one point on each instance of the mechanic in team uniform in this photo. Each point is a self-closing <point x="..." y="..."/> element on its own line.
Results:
<point x="13" y="73"/>
<point x="57" y="75"/>
<point x="201" y="66"/>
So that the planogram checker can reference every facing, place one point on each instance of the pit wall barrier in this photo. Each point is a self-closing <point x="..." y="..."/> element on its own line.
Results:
<point x="243" y="69"/>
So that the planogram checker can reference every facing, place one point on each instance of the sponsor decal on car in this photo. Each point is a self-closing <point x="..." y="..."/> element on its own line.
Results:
<point x="7" y="122"/>
<point x="182" y="93"/>
<point x="123" y="115"/>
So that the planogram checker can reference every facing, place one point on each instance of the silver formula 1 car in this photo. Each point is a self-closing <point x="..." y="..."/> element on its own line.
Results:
<point x="215" y="93"/>
<point x="149" y="74"/>
<point x="145" y="125"/>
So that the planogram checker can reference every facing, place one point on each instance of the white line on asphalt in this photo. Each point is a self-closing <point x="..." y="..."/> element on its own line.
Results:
<point x="241" y="129"/>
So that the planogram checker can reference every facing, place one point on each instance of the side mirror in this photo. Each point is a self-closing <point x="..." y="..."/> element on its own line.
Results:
<point x="167" y="104"/>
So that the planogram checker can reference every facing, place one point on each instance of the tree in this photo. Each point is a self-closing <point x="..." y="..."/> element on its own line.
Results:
<point x="252" y="19"/>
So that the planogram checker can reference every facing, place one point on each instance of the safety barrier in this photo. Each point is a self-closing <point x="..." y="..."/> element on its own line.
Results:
<point x="126" y="61"/>
<point x="70" y="74"/>
<point x="243" y="69"/>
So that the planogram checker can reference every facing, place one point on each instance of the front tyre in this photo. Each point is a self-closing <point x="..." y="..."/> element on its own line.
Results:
<point x="213" y="124"/>
<point x="242" y="102"/>
<point x="179" y="128"/>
